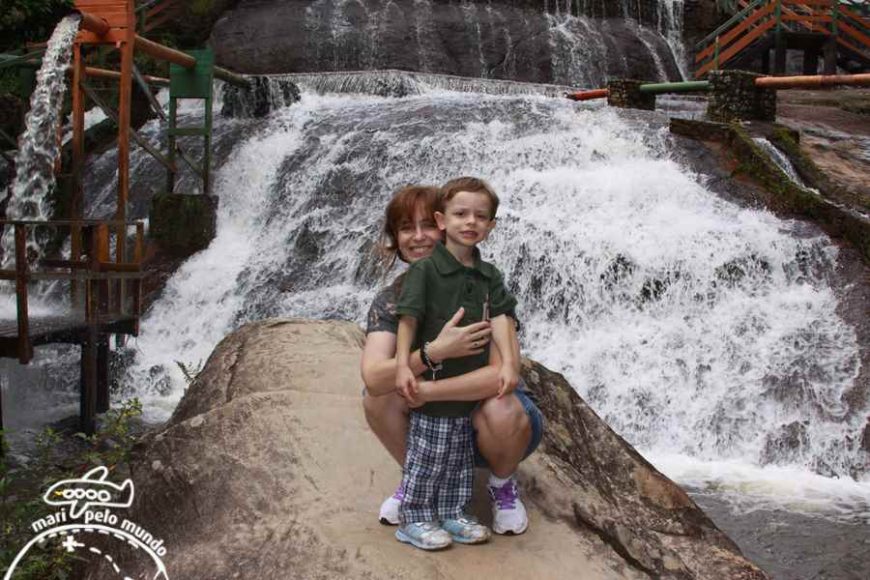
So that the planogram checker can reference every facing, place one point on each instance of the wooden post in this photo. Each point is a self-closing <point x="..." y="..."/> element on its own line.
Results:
<point x="78" y="159"/>
<point x="25" y="350"/>
<point x="138" y="257"/>
<point x="88" y="400"/>
<point x="779" y="42"/>
<point x="101" y="246"/>
<point x="102" y="373"/>
<point x="170" y="175"/>
<point x="829" y="50"/>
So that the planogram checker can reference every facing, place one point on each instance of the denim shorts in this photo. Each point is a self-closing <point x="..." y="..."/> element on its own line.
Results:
<point x="536" y="419"/>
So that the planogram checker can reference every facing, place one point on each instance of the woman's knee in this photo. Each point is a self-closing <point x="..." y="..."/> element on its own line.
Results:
<point x="384" y="408"/>
<point x="503" y="417"/>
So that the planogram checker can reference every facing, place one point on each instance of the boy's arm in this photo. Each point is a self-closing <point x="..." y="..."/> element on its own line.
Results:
<point x="504" y="337"/>
<point x="502" y="303"/>
<point x="406" y="383"/>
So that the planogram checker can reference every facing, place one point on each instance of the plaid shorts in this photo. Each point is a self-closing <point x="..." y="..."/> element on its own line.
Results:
<point x="439" y="468"/>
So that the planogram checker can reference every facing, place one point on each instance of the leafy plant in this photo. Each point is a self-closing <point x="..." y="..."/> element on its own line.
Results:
<point x="29" y="20"/>
<point x="189" y="370"/>
<point x="21" y="488"/>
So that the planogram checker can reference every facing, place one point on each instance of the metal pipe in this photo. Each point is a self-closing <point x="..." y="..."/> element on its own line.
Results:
<point x="93" y="23"/>
<point x="813" y="81"/>
<point x="588" y="95"/>
<point x="680" y="87"/>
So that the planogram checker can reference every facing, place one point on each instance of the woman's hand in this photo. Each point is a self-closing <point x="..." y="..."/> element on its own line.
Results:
<point x="457" y="342"/>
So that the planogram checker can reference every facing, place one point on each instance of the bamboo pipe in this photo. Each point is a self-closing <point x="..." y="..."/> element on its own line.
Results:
<point x="115" y="75"/>
<point x="588" y="95"/>
<point x="231" y="77"/>
<point x="183" y="59"/>
<point x="680" y="87"/>
<point x="157" y="50"/>
<point x="813" y="81"/>
<point x="93" y="23"/>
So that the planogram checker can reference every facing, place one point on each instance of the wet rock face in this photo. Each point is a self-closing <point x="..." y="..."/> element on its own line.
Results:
<point x="506" y="40"/>
<point x="259" y="99"/>
<point x="250" y="479"/>
<point x="701" y="17"/>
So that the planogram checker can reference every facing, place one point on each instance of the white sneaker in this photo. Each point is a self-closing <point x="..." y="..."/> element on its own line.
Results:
<point x="508" y="512"/>
<point x="389" y="515"/>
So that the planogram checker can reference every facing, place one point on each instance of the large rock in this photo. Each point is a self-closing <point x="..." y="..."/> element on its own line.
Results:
<point x="507" y="40"/>
<point x="267" y="470"/>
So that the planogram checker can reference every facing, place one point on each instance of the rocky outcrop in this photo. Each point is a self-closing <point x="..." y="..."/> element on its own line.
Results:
<point x="505" y="40"/>
<point x="701" y="17"/>
<point x="267" y="470"/>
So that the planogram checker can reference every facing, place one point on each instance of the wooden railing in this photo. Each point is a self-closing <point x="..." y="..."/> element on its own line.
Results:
<point x="102" y="290"/>
<point x="156" y="13"/>
<point x="846" y="21"/>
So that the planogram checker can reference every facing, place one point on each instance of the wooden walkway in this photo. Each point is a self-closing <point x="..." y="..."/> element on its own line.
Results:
<point x="71" y="329"/>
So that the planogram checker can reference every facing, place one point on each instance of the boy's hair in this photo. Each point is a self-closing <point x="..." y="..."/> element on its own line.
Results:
<point x="472" y="185"/>
<point x="403" y="206"/>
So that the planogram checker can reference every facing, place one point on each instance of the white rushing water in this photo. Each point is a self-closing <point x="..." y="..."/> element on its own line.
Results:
<point x="671" y="26"/>
<point x="38" y="146"/>
<point x="705" y="333"/>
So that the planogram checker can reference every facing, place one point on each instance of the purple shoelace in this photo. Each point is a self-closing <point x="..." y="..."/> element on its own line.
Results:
<point x="400" y="493"/>
<point x="505" y="496"/>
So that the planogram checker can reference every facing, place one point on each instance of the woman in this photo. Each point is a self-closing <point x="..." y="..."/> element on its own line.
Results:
<point x="508" y="429"/>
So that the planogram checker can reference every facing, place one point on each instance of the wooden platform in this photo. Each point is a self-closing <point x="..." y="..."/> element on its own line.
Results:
<point x="71" y="329"/>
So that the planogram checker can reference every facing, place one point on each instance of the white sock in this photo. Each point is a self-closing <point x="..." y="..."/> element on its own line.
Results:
<point x="498" y="481"/>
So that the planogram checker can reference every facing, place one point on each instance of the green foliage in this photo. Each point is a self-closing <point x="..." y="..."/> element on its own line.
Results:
<point x="189" y="370"/>
<point x="21" y="489"/>
<point x="29" y="21"/>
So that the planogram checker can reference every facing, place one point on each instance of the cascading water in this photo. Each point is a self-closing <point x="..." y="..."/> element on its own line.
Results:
<point x="670" y="25"/>
<point x="705" y="333"/>
<point x="38" y="147"/>
<point x="569" y="43"/>
<point x="38" y="150"/>
<point x="780" y="159"/>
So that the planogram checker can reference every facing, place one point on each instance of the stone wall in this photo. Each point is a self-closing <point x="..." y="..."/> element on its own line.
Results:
<point x="625" y="94"/>
<point x="734" y="97"/>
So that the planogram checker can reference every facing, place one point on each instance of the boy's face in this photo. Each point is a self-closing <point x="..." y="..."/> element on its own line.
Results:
<point x="466" y="219"/>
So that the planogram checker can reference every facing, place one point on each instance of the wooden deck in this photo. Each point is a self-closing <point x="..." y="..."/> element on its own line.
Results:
<point x="72" y="329"/>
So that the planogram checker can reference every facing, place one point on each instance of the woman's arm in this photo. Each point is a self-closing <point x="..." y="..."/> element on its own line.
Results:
<point x="477" y="385"/>
<point x="379" y="363"/>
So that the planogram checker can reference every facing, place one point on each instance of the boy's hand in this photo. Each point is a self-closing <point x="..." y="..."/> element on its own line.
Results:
<point x="406" y="383"/>
<point x="508" y="378"/>
<point x="420" y="398"/>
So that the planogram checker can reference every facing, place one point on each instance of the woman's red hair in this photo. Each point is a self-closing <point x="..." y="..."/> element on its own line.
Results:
<point x="404" y="206"/>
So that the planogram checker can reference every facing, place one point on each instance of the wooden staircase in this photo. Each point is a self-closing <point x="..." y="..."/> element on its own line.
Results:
<point x="839" y="29"/>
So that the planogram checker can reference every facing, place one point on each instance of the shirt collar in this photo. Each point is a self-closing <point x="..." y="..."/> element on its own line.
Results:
<point x="446" y="263"/>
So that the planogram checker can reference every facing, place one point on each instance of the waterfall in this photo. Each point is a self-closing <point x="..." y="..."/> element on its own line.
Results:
<point x="39" y="145"/>
<point x="559" y="42"/>
<point x="670" y="25"/>
<point x="698" y="329"/>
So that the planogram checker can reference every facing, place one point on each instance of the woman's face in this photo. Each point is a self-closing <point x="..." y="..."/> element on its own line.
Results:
<point x="416" y="238"/>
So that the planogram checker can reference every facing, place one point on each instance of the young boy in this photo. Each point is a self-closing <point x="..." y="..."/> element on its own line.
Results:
<point x="439" y="460"/>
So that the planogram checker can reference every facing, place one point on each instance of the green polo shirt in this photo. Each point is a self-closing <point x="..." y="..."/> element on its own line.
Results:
<point x="433" y="290"/>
